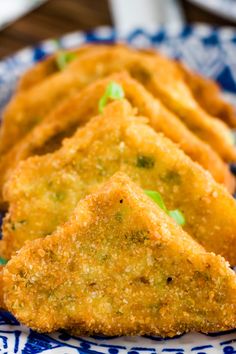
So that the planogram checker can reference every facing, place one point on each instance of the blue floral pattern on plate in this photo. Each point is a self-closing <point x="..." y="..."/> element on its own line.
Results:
<point x="208" y="50"/>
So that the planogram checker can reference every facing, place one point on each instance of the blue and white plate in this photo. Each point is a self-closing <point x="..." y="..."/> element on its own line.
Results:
<point x="208" y="50"/>
<point x="222" y="8"/>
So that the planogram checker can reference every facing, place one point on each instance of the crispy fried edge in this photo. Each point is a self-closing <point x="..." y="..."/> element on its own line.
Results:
<point x="213" y="198"/>
<point x="16" y="124"/>
<point x="114" y="58"/>
<point x="206" y="91"/>
<point x="45" y="68"/>
<point x="76" y="110"/>
<point x="147" y="209"/>
<point x="209" y="96"/>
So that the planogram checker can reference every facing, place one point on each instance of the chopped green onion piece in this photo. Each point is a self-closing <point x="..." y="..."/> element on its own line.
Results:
<point x="113" y="92"/>
<point x="102" y="103"/>
<point x="157" y="198"/>
<point x="177" y="216"/>
<point x="174" y="214"/>
<point x="64" y="58"/>
<point x="3" y="261"/>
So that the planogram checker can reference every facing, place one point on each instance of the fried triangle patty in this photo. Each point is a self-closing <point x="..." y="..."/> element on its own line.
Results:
<point x="49" y="66"/>
<point x="157" y="74"/>
<point x="80" y="107"/>
<point x="206" y="91"/>
<point x="209" y="96"/>
<point x="44" y="190"/>
<point x="120" y="266"/>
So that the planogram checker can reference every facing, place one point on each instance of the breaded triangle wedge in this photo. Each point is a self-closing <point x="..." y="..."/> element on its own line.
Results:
<point x="28" y="108"/>
<point x="157" y="74"/>
<point x="49" y="66"/>
<point x="206" y="91"/>
<point x="120" y="266"/>
<point x="76" y="110"/>
<point x="209" y="95"/>
<point x="44" y="190"/>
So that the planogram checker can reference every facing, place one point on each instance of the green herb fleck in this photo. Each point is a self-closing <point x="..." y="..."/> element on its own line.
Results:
<point x="113" y="92"/>
<point x="202" y="275"/>
<point x="172" y="177"/>
<point x="138" y="236"/>
<point x="59" y="196"/>
<point x="64" y="58"/>
<point x="157" y="199"/>
<point x="176" y="214"/>
<point x="3" y="261"/>
<point x="145" y="161"/>
<point x="119" y="216"/>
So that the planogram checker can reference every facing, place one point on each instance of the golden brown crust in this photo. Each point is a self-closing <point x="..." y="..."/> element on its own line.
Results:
<point x="2" y="305"/>
<point x="76" y="110"/>
<point x="157" y="74"/>
<point x="43" y="190"/>
<point x="45" y="68"/>
<point x="206" y="91"/>
<point x="209" y="96"/>
<point x="125" y="267"/>
<point x="37" y="73"/>
<point x="28" y="108"/>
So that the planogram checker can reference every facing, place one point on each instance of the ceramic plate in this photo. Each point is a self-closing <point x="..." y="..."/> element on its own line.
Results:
<point x="222" y="8"/>
<point x="207" y="50"/>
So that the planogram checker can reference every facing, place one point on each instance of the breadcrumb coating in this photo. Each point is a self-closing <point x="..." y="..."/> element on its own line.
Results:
<point x="44" y="190"/>
<point x="207" y="92"/>
<point x="157" y="74"/>
<point x="120" y="266"/>
<point x="62" y="122"/>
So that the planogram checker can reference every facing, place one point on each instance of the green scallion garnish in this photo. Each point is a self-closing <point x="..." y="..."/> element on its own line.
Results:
<point x="176" y="214"/>
<point x="64" y="58"/>
<point x="157" y="198"/>
<point x="113" y="92"/>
